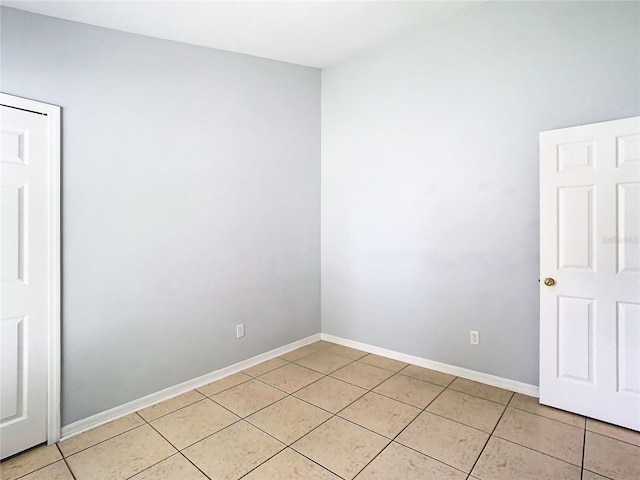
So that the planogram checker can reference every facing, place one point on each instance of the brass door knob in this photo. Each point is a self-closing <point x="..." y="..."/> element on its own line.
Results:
<point x="549" y="282"/>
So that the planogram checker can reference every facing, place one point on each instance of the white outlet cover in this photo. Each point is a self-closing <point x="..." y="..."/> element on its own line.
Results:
<point x="240" y="330"/>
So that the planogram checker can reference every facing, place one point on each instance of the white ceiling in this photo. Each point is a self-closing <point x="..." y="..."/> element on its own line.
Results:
<point x="313" y="33"/>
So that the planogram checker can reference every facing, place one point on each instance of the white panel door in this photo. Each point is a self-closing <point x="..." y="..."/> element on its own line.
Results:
<point x="25" y="265"/>
<point x="590" y="270"/>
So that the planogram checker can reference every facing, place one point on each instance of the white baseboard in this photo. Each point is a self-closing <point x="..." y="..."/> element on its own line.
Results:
<point x="93" y="421"/>
<point x="513" y="385"/>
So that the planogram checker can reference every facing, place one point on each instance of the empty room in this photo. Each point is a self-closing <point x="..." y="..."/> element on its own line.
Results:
<point x="394" y="240"/>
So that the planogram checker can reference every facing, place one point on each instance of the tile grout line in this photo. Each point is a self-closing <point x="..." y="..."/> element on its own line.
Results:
<point x="205" y="437"/>
<point x="599" y="474"/>
<point x="376" y="386"/>
<point x="224" y="389"/>
<point x="538" y="451"/>
<point x="531" y="448"/>
<point x="507" y="406"/>
<point x="491" y="434"/>
<point x="400" y="432"/>
<point x="176" y="410"/>
<point x="290" y="445"/>
<point x="324" y="409"/>
<point x="39" y="468"/>
<point x="262" y="463"/>
<point x="103" y="441"/>
<point x="615" y="438"/>
<point x="160" y="461"/>
<point x="240" y="419"/>
<point x="584" y="447"/>
<point x="317" y="463"/>
<point x="64" y="459"/>
<point x="544" y="416"/>
<point x="332" y="415"/>
<point x="180" y="451"/>
<point x="189" y="460"/>
<point x="20" y="453"/>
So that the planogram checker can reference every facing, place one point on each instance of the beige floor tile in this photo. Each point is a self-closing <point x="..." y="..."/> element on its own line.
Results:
<point x="532" y="405"/>
<point x="473" y="411"/>
<point x="288" y="419"/>
<point x="55" y="471"/>
<point x="452" y="443"/>
<point x="348" y="352"/>
<point x="587" y="475"/>
<point x="121" y="457"/>
<point x="291" y="377"/>
<point x="381" y="414"/>
<point x="362" y="374"/>
<point x="176" y="403"/>
<point x="613" y="431"/>
<point x="248" y="397"/>
<point x="409" y="390"/>
<point x="233" y="452"/>
<point x="481" y="390"/>
<point x="290" y="465"/>
<point x="542" y="434"/>
<point x="383" y="362"/>
<point x="264" y="367"/>
<point x="301" y="352"/>
<point x="100" y="434"/>
<point x="193" y="423"/>
<point x="502" y="460"/>
<point x="27" y="462"/>
<point x="331" y="394"/>
<point x="397" y="462"/>
<point x="324" y="361"/>
<point x="341" y="446"/>
<point x="322" y="344"/>
<point x="428" y="375"/>
<point x="173" y="468"/>
<point x="611" y="458"/>
<point x="224" y="384"/>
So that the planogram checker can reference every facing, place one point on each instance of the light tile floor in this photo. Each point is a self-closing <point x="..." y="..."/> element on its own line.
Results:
<point x="329" y="412"/>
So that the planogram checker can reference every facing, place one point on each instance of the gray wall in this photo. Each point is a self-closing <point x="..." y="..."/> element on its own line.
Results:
<point x="430" y="174"/>
<point x="191" y="203"/>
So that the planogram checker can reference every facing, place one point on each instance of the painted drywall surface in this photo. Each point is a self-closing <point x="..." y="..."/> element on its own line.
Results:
<point x="430" y="174"/>
<point x="190" y="204"/>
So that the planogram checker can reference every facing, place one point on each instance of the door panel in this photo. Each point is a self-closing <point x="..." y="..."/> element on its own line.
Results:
<point x="13" y="377"/>
<point x="575" y="338"/>
<point x="575" y="227"/>
<point x="628" y="227"/>
<point x="590" y="246"/>
<point x="629" y="348"/>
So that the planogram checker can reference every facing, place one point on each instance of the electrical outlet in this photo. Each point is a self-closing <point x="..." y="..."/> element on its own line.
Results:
<point x="474" y="337"/>
<point x="240" y="330"/>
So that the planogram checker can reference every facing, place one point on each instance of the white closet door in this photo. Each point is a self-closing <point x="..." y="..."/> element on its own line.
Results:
<point x="25" y="291"/>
